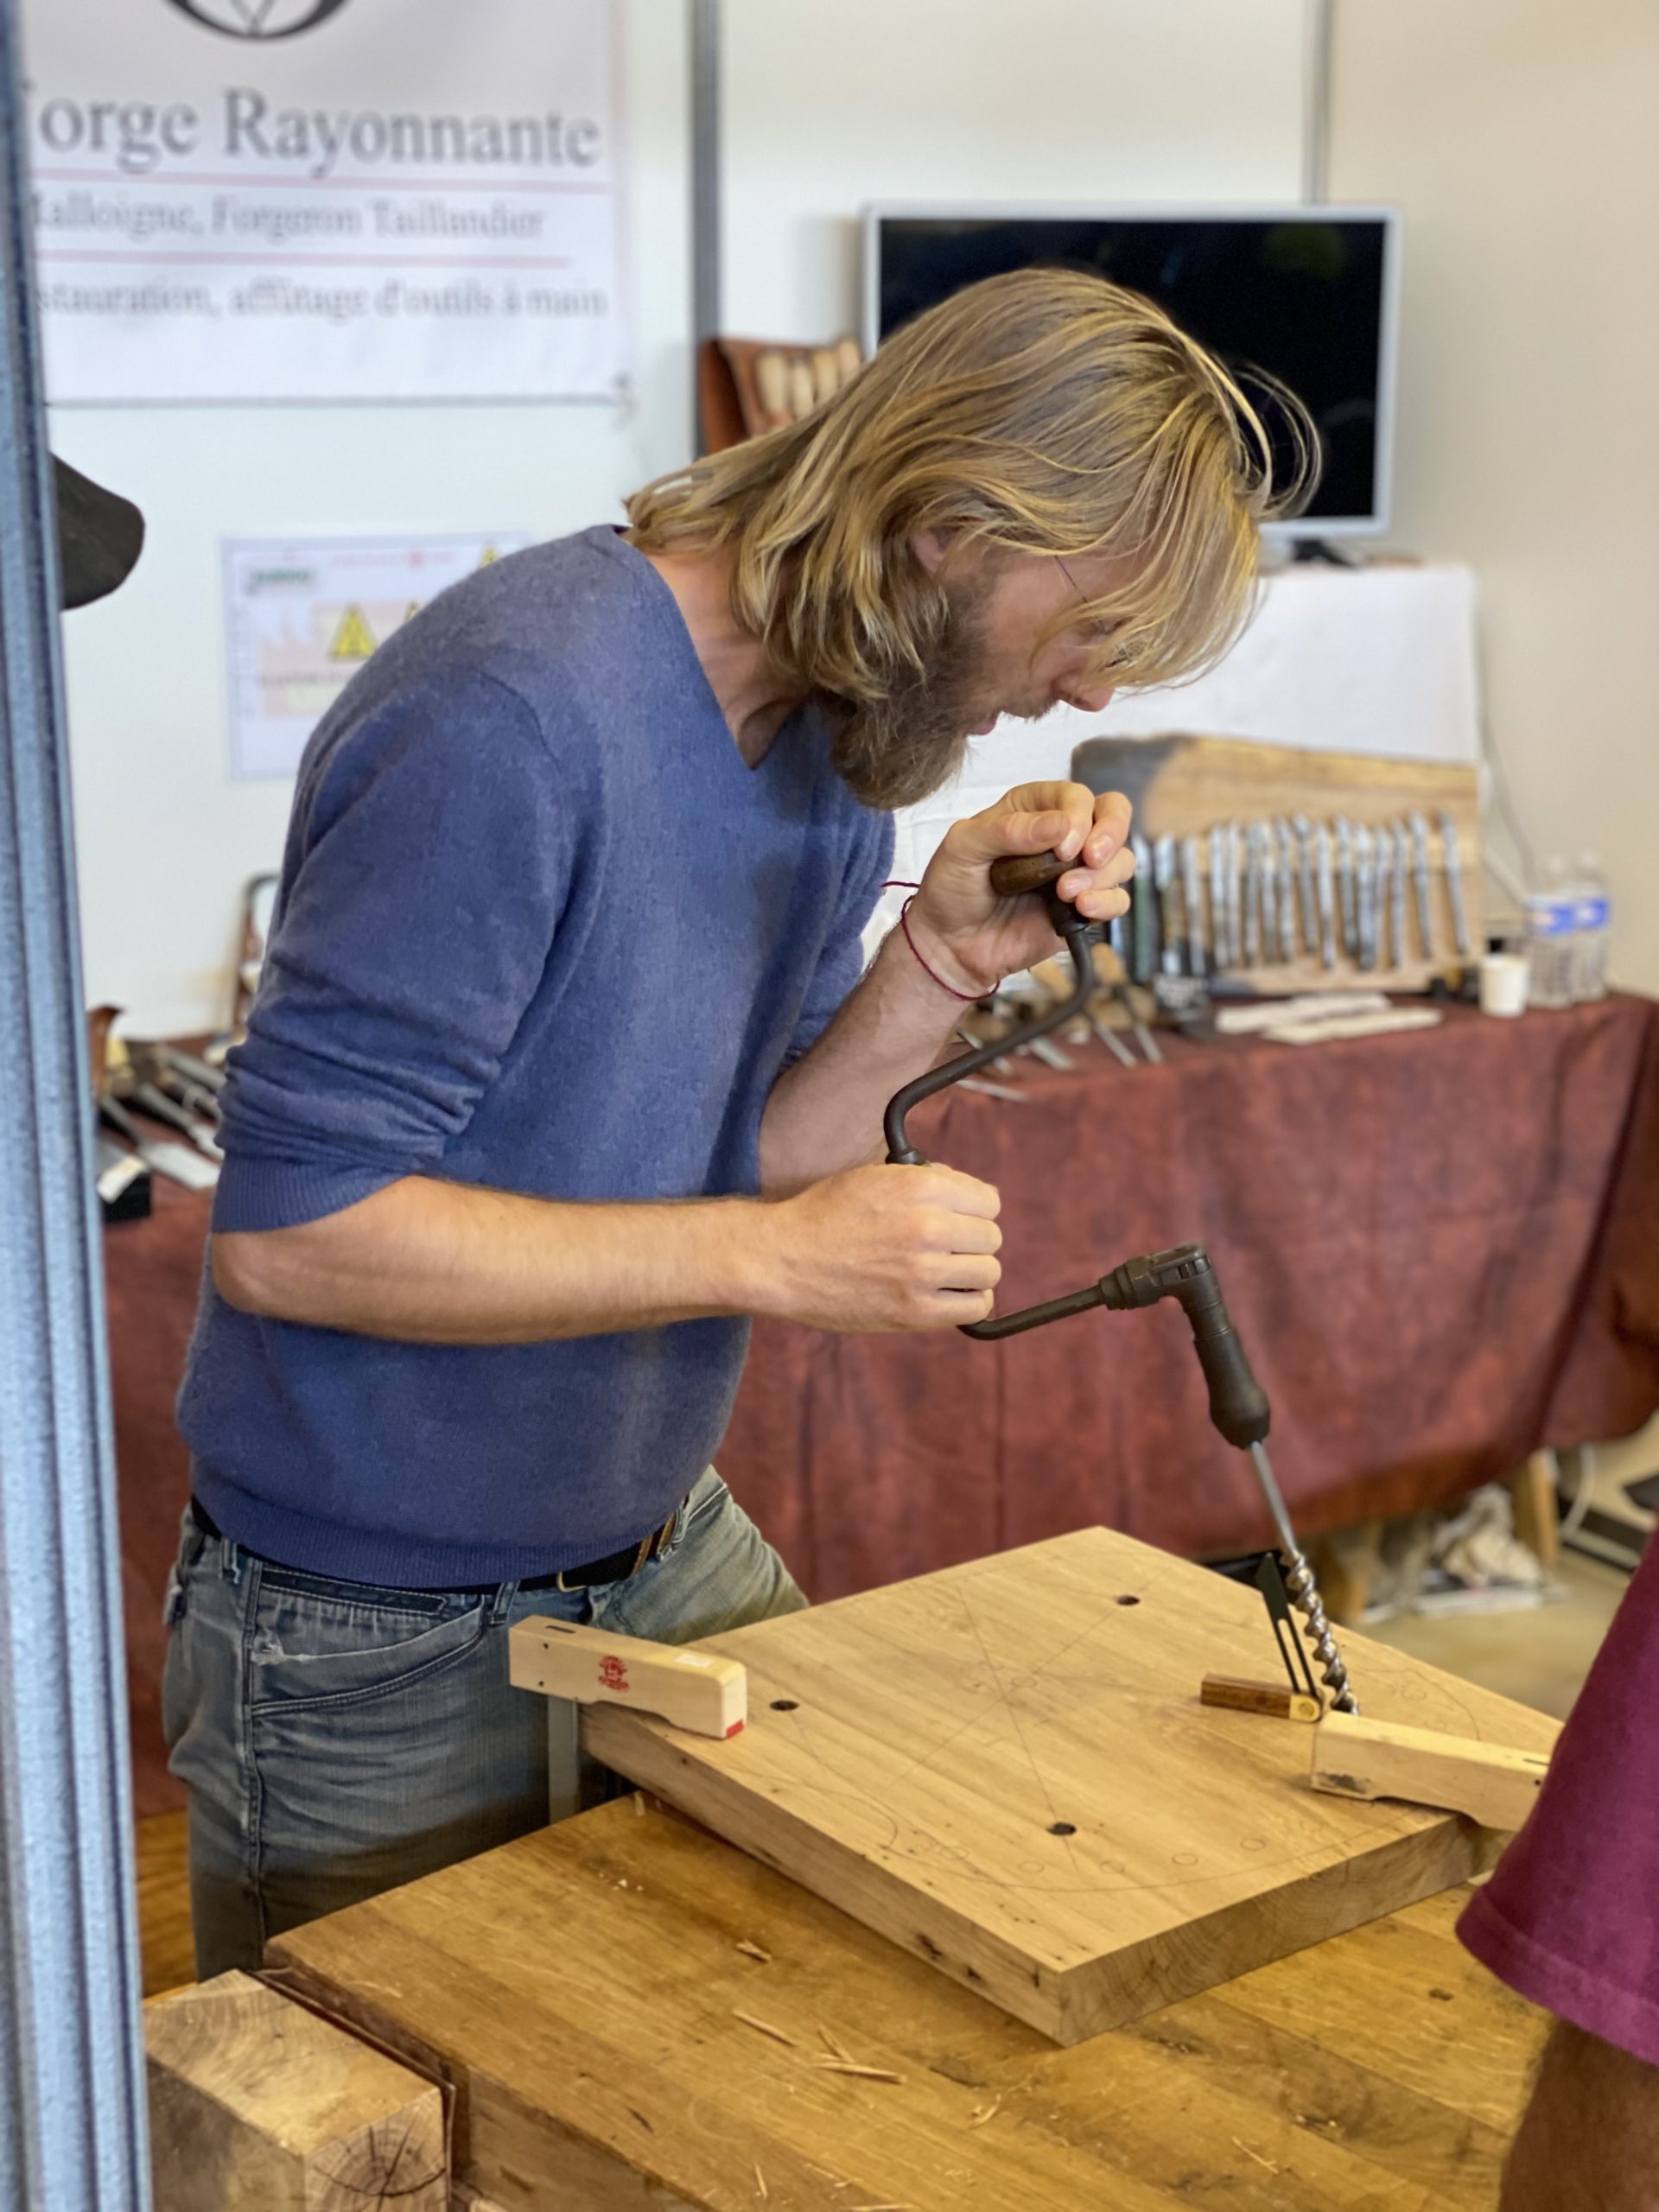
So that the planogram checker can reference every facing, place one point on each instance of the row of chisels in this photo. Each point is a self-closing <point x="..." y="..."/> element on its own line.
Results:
<point x="1263" y="894"/>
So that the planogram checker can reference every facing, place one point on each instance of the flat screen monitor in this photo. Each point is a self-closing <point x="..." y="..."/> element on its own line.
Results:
<point x="1308" y="293"/>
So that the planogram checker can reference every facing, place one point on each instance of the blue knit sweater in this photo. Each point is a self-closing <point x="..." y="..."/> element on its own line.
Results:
<point x="541" y="929"/>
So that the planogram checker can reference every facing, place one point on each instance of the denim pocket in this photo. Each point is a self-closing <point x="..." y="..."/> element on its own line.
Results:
<point x="311" y="1647"/>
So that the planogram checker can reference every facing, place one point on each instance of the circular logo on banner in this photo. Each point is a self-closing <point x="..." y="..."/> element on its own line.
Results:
<point x="258" y="18"/>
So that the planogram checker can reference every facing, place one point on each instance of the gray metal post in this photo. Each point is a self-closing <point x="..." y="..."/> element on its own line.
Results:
<point x="705" y="185"/>
<point x="73" y="2134"/>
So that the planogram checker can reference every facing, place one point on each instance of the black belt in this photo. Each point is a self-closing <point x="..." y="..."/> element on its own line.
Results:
<point x="616" y="1566"/>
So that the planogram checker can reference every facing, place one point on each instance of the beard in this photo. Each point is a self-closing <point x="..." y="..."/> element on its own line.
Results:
<point x="893" y="751"/>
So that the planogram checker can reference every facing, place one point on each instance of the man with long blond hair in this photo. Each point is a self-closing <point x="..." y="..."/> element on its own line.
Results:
<point x="561" y="1064"/>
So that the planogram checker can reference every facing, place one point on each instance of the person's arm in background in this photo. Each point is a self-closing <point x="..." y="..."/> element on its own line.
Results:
<point x="825" y="1111"/>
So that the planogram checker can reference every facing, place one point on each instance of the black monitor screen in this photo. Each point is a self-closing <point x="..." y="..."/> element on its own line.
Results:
<point x="1300" y="297"/>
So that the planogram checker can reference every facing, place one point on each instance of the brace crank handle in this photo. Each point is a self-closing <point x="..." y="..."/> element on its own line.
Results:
<point x="1012" y="875"/>
<point x="1238" y="1404"/>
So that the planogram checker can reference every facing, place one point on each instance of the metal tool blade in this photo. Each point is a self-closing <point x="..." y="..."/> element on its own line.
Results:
<point x="1365" y="894"/>
<point x="1235" y="891"/>
<point x="1110" y="1037"/>
<point x="1163" y="875"/>
<point x="1303" y="829"/>
<point x="1269" y="875"/>
<point x="1452" y="852"/>
<point x="1419" y="870"/>
<point x="1327" y="890"/>
<point x="1345" y="888"/>
<point x="1192" y="900"/>
<point x="1286" y="891"/>
<point x="1144" y="932"/>
<point x="1252" y="898"/>
<point x="1219" y="918"/>
<point x="1143" y="1036"/>
<point x="1398" y="953"/>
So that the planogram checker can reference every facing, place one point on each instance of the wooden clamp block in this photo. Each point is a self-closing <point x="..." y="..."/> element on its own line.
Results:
<point x="257" y="2105"/>
<point x="1277" y="1700"/>
<point x="1492" y="1783"/>
<point x="695" y="1690"/>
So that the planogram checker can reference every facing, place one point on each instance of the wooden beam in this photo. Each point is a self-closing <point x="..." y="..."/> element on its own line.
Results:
<point x="1537" y="1517"/>
<point x="257" y="2105"/>
<point x="1492" y="1783"/>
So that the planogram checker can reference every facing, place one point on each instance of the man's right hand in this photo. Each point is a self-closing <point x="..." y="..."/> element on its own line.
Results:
<point x="883" y="1248"/>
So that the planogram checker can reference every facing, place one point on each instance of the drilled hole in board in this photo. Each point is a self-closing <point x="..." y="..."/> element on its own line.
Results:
<point x="1129" y="1601"/>
<point x="786" y="1705"/>
<point x="1062" y="1828"/>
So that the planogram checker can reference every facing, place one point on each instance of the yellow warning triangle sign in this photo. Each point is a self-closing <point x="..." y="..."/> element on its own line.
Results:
<point x="353" y="640"/>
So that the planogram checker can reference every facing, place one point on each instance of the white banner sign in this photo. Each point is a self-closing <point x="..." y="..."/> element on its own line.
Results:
<point x="301" y="618"/>
<point x="326" y="200"/>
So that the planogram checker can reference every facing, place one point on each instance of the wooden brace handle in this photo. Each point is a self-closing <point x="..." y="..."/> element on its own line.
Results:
<point x="1020" y="872"/>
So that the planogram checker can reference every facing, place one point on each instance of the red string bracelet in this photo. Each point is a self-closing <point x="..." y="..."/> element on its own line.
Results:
<point x="968" y="998"/>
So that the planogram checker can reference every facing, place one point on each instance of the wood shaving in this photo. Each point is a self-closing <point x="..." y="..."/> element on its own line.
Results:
<point x="639" y="1807"/>
<point x="760" y="2189"/>
<point x="982" y="2113"/>
<point x="835" y="2049"/>
<point x="865" y="2073"/>
<point x="1257" y="2156"/>
<point x="754" y="1951"/>
<point x="765" y="2027"/>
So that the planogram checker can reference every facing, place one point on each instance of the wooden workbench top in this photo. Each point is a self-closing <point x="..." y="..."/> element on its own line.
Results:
<point x="584" y="1990"/>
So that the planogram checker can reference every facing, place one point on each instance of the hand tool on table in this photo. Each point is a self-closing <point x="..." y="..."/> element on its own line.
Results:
<point x="1238" y="1405"/>
<point x="1420" y="872"/>
<point x="1347" y="901"/>
<point x="1400" y="950"/>
<point x="1365" y="894"/>
<point x="1454" y="884"/>
<point x="1220" y="935"/>
<point x="1235" y="891"/>
<point x="1287" y="892"/>
<point x="1303" y="829"/>
<point x="1252" y="897"/>
<point x="1170" y="962"/>
<point x="1267" y="867"/>
<point x="573" y="1665"/>
<point x="1144" y="930"/>
<point x="1192" y="900"/>
<point x="1323" y="863"/>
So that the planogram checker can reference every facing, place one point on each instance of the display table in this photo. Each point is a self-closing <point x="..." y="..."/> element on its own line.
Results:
<point x="1442" y="1250"/>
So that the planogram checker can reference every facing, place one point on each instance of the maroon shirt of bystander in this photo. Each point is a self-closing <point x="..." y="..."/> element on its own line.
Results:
<point x="1571" y="1917"/>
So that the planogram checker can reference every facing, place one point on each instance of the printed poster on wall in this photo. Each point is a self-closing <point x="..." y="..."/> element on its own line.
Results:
<point x="326" y="200"/>
<point x="302" y="616"/>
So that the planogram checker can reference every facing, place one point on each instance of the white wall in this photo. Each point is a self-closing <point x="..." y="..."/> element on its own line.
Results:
<point x="1520" y="138"/>
<point x="165" y="839"/>
<point x="826" y="106"/>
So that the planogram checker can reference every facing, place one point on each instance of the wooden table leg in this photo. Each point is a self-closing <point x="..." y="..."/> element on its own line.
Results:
<point x="1345" y="1563"/>
<point x="1537" y="1520"/>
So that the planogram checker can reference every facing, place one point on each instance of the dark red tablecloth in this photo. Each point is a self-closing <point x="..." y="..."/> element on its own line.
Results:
<point x="1441" y="1249"/>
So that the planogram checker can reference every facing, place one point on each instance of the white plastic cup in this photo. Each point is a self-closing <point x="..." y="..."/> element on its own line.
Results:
<point x="1503" y="984"/>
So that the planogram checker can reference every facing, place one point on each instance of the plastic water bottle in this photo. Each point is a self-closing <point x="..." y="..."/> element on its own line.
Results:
<point x="1593" y="918"/>
<point x="1551" y="919"/>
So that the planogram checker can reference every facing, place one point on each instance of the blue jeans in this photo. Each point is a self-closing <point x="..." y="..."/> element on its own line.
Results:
<point x="337" y="1739"/>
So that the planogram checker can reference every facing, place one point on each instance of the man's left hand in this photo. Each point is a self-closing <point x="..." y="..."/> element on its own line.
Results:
<point x="972" y="938"/>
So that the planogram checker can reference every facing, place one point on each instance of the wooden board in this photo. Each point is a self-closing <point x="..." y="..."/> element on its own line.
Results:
<point x="582" y="1990"/>
<point x="255" y="2105"/>
<point x="1183" y="786"/>
<point x="1006" y="1769"/>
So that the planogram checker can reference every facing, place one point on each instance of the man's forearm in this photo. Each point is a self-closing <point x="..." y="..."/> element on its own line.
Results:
<point x="448" y="1263"/>
<point x="824" y="1113"/>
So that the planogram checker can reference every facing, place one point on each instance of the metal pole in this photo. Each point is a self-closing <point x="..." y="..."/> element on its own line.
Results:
<point x="73" y="2137"/>
<point x="705" y="187"/>
<point x="1316" y="102"/>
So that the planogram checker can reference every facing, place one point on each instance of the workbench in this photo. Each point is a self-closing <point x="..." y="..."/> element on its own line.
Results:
<point x="630" y="2013"/>
<point x="1441" y="1249"/>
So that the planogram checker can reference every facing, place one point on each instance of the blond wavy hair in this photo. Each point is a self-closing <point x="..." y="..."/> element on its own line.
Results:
<point x="1046" y="411"/>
